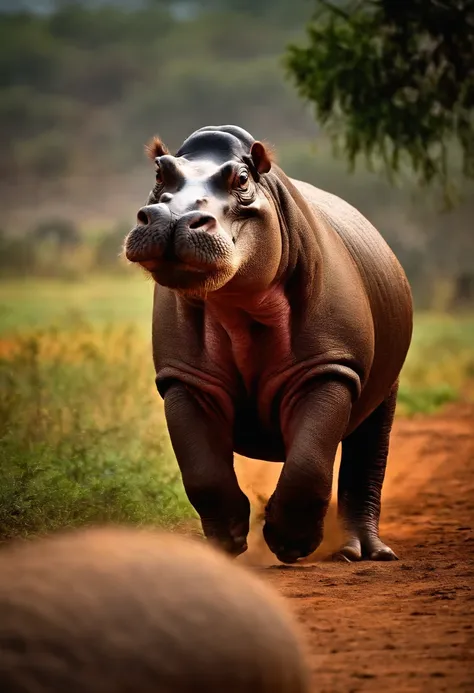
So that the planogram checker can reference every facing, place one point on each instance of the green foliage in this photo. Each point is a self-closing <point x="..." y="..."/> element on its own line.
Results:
<point x="16" y="256"/>
<point x="393" y="80"/>
<point x="425" y="400"/>
<point x="62" y="231"/>
<point x="82" y="437"/>
<point x="56" y="248"/>
<point x="109" y="249"/>
<point x="440" y="363"/>
<point x="82" y="87"/>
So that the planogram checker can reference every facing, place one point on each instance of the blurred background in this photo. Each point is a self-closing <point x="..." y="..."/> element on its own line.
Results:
<point x="83" y="85"/>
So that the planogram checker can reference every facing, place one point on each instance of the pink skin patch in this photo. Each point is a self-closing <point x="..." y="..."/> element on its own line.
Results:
<point x="258" y="330"/>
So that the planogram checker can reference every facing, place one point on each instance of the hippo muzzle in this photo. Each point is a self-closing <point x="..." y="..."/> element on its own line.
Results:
<point x="179" y="250"/>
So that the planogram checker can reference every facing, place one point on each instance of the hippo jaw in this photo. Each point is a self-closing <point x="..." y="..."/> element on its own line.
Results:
<point x="192" y="255"/>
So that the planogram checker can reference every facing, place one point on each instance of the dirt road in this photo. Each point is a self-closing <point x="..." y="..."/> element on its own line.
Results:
<point x="402" y="626"/>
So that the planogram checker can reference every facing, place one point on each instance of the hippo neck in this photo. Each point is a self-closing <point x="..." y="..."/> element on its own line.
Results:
<point x="258" y="328"/>
<point x="267" y="307"/>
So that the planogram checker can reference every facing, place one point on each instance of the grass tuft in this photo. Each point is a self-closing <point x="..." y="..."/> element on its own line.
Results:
<point x="82" y="434"/>
<point x="440" y="363"/>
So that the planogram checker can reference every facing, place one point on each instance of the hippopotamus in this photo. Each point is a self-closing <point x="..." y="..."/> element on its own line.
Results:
<point x="114" y="610"/>
<point x="281" y="322"/>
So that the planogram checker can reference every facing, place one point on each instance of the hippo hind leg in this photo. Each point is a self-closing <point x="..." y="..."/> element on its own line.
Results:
<point x="362" y="471"/>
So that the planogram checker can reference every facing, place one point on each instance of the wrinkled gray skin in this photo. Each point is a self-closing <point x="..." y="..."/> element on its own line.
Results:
<point x="281" y="322"/>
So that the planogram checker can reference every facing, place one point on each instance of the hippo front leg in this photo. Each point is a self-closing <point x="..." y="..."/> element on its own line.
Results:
<point x="295" y="513"/>
<point x="203" y="445"/>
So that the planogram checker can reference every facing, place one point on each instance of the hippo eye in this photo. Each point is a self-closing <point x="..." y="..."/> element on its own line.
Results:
<point x="158" y="175"/>
<point x="243" y="180"/>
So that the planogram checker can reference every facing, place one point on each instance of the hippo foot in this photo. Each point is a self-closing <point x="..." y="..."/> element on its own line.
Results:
<point x="230" y="534"/>
<point x="230" y="541"/>
<point x="368" y="549"/>
<point x="288" y="537"/>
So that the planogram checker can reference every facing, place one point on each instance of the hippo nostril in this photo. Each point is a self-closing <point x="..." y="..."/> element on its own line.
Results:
<point x="142" y="217"/>
<point x="154" y="214"/>
<point x="202" y="221"/>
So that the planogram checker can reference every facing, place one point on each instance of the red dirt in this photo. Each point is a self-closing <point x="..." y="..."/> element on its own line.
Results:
<point x="403" y="626"/>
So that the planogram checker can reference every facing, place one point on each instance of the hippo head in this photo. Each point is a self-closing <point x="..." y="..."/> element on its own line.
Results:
<point x="208" y="223"/>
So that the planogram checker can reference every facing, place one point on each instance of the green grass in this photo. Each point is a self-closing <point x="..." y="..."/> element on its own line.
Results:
<point x="82" y="432"/>
<point x="439" y="365"/>
<point x="39" y="303"/>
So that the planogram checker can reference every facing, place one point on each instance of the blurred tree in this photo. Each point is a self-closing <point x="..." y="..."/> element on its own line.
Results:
<point x="62" y="232"/>
<point x="84" y="82"/>
<point x="393" y="79"/>
<point x="17" y="255"/>
<point x="109" y="248"/>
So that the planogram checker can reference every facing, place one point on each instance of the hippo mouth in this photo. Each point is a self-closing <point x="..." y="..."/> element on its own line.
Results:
<point x="190" y="276"/>
<point x="181" y="256"/>
<point x="180" y="259"/>
<point x="157" y="265"/>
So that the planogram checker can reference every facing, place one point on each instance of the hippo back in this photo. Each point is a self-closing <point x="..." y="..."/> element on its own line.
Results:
<point x="385" y="282"/>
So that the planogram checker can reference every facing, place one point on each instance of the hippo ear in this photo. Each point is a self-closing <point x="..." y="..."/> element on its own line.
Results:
<point x="260" y="157"/>
<point x="155" y="147"/>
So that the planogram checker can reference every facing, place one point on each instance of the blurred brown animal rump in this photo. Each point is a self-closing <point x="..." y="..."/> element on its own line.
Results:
<point x="126" y="611"/>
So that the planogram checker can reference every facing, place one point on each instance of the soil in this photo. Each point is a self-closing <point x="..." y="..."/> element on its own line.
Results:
<point x="400" y="626"/>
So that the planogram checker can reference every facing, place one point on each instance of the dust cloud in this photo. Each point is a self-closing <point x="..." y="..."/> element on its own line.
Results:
<point x="405" y="478"/>
<point x="258" y="481"/>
